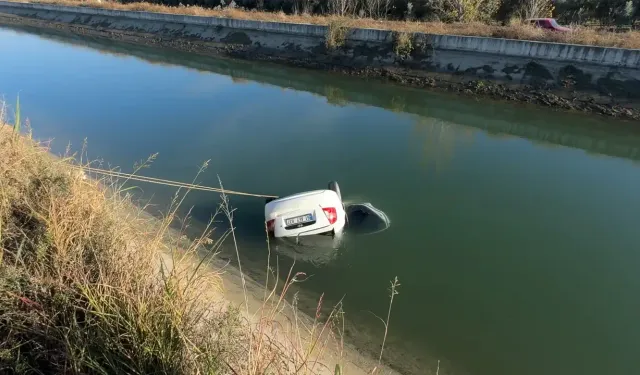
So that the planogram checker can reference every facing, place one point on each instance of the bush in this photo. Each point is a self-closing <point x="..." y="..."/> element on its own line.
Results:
<point x="403" y="44"/>
<point x="336" y="34"/>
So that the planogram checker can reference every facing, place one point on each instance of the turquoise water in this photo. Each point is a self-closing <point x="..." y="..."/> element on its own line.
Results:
<point x="514" y="229"/>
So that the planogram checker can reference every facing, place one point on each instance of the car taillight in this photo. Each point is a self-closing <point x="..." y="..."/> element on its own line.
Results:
<point x="331" y="214"/>
<point x="271" y="224"/>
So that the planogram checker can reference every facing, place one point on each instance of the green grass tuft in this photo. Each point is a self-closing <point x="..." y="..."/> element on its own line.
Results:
<point x="336" y="34"/>
<point x="403" y="44"/>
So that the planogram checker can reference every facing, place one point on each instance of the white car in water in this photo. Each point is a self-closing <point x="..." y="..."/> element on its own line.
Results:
<point x="308" y="213"/>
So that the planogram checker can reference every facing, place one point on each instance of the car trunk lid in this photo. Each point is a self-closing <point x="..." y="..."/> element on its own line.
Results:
<point x="292" y="203"/>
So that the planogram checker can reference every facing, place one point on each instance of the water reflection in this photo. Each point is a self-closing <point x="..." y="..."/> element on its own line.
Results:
<point x="478" y="249"/>
<point x="615" y="138"/>
<point x="317" y="250"/>
<point x="335" y="96"/>
<point x="440" y="139"/>
<point x="362" y="219"/>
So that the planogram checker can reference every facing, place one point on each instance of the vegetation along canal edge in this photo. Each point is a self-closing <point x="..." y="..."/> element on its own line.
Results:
<point x="403" y="60"/>
<point x="85" y="269"/>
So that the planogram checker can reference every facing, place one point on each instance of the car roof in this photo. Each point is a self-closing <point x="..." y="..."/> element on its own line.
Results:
<point x="539" y="19"/>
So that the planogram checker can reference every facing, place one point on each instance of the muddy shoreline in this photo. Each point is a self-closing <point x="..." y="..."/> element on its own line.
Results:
<point x="565" y="99"/>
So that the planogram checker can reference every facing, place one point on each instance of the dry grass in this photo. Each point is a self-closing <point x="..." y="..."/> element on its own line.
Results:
<point x="91" y="284"/>
<point x="403" y="44"/>
<point x="579" y="35"/>
<point x="336" y="34"/>
<point x="83" y="287"/>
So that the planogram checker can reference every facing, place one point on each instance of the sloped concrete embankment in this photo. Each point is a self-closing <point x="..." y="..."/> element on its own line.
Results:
<point x="609" y="75"/>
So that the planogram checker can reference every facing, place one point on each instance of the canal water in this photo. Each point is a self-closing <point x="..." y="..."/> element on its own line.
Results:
<point x="514" y="229"/>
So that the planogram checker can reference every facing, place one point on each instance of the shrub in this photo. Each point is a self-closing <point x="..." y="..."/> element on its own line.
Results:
<point x="403" y="44"/>
<point x="336" y="34"/>
<point x="470" y="10"/>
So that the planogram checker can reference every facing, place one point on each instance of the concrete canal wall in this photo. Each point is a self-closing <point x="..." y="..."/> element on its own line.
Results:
<point x="607" y="71"/>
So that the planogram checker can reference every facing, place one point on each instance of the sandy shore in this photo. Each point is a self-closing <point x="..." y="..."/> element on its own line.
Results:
<point x="287" y="325"/>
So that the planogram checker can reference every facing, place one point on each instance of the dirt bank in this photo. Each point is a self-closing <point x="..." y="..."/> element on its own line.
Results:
<point x="565" y="98"/>
<point x="287" y="323"/>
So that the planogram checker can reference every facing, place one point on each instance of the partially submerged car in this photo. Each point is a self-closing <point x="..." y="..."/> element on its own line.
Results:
<point x="309" y="213"/>
<point x="548" y="24"/>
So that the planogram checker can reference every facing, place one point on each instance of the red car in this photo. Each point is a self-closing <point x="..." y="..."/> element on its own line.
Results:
<point x="548" y="24"/>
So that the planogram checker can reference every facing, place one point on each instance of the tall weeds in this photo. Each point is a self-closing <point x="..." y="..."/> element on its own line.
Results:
<point x="336" y="34"/>
<point x="82" y="292"/>
<point x="90" y="284"/>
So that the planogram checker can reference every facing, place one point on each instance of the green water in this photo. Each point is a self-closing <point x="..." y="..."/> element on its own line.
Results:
<point x="514" y="229"/>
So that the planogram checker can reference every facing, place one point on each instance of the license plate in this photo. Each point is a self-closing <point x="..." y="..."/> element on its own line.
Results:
<point x="298" y="220"/>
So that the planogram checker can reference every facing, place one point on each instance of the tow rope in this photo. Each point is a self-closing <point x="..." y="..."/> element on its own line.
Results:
<point x="159" y="181"/>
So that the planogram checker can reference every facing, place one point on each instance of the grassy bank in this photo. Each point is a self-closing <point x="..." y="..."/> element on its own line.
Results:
<point x="515" y="30"/>
<point x="90" y="284"/>
<point x="82" y="291"/>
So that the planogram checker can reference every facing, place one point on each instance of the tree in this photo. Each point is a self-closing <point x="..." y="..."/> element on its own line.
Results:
<point x="372" y="8"/>
<point x="612" y="12"/>
<point x="536" y="9"/>
<point x="575" y="11"/>
<point x="376" y="8"/>
<point x="470" y="10"/>
<point x="342" y="7"/>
